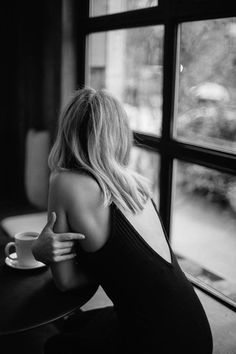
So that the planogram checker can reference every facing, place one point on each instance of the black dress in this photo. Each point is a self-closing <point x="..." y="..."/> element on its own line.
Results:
<point x="156" y="309"/>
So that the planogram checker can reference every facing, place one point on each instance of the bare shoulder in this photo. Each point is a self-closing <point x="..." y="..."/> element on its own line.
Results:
<point x="68" y="185"/>
<point x="81" y="198"/>
<point x="63" y="179"/>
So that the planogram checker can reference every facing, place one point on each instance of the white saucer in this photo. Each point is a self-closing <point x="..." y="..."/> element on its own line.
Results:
<point x="14" y="263"/>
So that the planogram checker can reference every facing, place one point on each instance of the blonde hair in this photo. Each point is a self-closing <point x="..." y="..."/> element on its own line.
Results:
<point x="94" y="135"/>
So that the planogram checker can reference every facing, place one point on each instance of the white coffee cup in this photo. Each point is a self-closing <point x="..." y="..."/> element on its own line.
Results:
<point x="23" y="247"/>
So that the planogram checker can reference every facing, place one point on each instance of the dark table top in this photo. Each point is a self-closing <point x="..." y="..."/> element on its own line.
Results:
<point x="29" y="298"/>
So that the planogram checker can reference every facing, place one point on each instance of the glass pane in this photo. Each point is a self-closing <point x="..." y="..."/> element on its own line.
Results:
<point x="147" y="164"/>
<point x="105" y="7"/>
<point x="206" y="112"/>
<point x="204" y="224"/>
<point x="128" y="63"/>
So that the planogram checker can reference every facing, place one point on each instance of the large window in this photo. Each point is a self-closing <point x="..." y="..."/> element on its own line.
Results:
<point x="204" y="224"/>
<point x="105" y="7"/>
<point x="207" y="88"/>
<point x="129" y="64"/>
<point x="173" y="64"/>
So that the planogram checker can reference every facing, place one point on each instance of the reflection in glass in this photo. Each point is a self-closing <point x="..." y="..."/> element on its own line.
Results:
<point x="147" y="164"/>
<point x="128" y="63"/>
<point x="206" y="112"/>
<point x="105" y="7"/>
<point x="204" y="224"/>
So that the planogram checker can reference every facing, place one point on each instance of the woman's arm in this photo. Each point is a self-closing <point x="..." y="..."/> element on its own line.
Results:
<point x="67" y="274"/>
<point x="77" y="201"/>
<point x="54" y="247"/>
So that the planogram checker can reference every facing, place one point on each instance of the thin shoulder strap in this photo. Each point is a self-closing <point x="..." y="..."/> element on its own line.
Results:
<point x="155" y="206"/>
<point x="162" y="225"/>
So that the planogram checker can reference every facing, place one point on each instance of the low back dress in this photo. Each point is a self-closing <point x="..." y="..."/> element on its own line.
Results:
<point x="156" y="306"/>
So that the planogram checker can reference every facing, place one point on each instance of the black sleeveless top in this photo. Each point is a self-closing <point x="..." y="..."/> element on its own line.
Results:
<point x="157" y="308"/>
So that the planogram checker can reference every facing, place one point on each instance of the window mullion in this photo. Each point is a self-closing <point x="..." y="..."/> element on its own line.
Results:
<point x="170" y="45"/>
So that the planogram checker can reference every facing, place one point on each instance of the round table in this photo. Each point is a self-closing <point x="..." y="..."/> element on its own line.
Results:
<point x="29" y="298"/>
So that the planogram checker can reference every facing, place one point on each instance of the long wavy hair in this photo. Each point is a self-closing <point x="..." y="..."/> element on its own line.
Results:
<point x="94" y="135"/>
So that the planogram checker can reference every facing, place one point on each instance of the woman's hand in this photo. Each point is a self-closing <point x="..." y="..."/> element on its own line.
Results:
<point x="54" y="247"/>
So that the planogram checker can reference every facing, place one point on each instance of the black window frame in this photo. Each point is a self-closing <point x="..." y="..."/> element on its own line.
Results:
<point x="169" y="13"/>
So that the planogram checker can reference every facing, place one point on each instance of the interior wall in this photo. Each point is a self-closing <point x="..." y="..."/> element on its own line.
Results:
<point x="30" y="64"/>
<point x="68" y="59"/>
<point x="10" y="126"/>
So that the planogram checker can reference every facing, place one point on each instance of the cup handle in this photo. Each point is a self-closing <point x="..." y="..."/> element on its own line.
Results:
<point x="7" y="249"/>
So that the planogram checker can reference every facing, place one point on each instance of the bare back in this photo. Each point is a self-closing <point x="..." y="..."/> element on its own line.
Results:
<point x="149" y="227"/>
<point x="87" y="214"/>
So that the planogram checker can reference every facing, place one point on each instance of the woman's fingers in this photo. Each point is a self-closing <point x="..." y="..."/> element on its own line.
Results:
<point x="61" y="251"/>
<point x="56" y="247"/>
<point x="51" y="222"/>
<point x="65" y="257"/>
<point x="63" y="244"/>
<point x="69" y="236"/>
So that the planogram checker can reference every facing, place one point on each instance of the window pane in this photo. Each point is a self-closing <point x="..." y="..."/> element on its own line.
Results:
<point x="206" y="112"/>
<point x="105" y="7"/>
<point x="204" y="224"/>
<point x="147" y="164"/>
<point x="128" y="63"/>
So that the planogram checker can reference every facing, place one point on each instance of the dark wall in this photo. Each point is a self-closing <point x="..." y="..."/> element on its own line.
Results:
<point x="30" y="61"/>
<point x="10" y="153"/>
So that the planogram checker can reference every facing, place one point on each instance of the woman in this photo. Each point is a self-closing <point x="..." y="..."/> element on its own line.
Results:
<point x="125" y="248"/>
